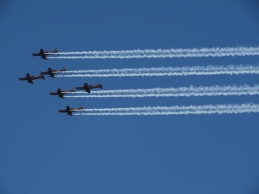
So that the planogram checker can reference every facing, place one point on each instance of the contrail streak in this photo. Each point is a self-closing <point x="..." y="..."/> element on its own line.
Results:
<point x="174" y="110"/>
<point x="166" y="71"/>
<point x="162" y="53"/>
<point x="172" y="92"/>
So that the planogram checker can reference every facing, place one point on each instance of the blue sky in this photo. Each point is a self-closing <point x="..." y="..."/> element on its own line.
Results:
<point x="46" y="152"/>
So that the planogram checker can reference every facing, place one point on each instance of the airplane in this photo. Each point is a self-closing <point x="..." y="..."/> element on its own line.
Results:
<point x="61" y="93"/>
<point x="52" y="72"/>
<point x="87" y="87"/>
<point x="44" y="54"/>
<point x="30" y="78"/>
<point x="69" y="110"/>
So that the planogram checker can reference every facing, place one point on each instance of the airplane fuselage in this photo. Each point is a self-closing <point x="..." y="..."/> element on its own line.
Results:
<point x="87" y="87"/>
<point x="43" y="53"/>
<point x="30" y="78"/>
<point x="61" y="93"/>
<point x="69" y="110"/>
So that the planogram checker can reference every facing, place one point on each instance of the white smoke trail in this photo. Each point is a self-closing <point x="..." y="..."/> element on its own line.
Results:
<point x="175" y="110"/>
<point x="162" y="53"/>
<point x="167" y="71"/>
<point x="172" y="92"/>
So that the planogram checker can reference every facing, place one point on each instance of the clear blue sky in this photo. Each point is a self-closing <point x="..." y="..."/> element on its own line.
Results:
<point x="46" y="152"/>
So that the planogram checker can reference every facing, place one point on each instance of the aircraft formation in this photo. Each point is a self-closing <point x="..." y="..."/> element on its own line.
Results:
<point x="227" y="90"/>
<point x="60" y="93"/>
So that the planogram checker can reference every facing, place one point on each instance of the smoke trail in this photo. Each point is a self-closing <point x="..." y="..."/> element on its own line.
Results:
<point x="167" y="71"/>
<point x="175" y="110"/>
<point x="173" y="92"/>
<point x="162" y="53"/>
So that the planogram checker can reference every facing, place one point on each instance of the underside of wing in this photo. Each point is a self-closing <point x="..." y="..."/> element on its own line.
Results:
<point x="87" y="89"/>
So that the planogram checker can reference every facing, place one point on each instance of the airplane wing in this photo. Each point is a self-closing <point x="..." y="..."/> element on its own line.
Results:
<point x="43" y="56"/>
<point x="29" y="78"/>
<point x="61" y="95"/>
<point x="87" y="88"/>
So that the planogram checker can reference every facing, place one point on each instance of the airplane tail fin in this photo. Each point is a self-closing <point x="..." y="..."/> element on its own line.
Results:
<point x="100" y="84"/>
<point x="81" y="107"/>
<point x="56" y="50"/>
